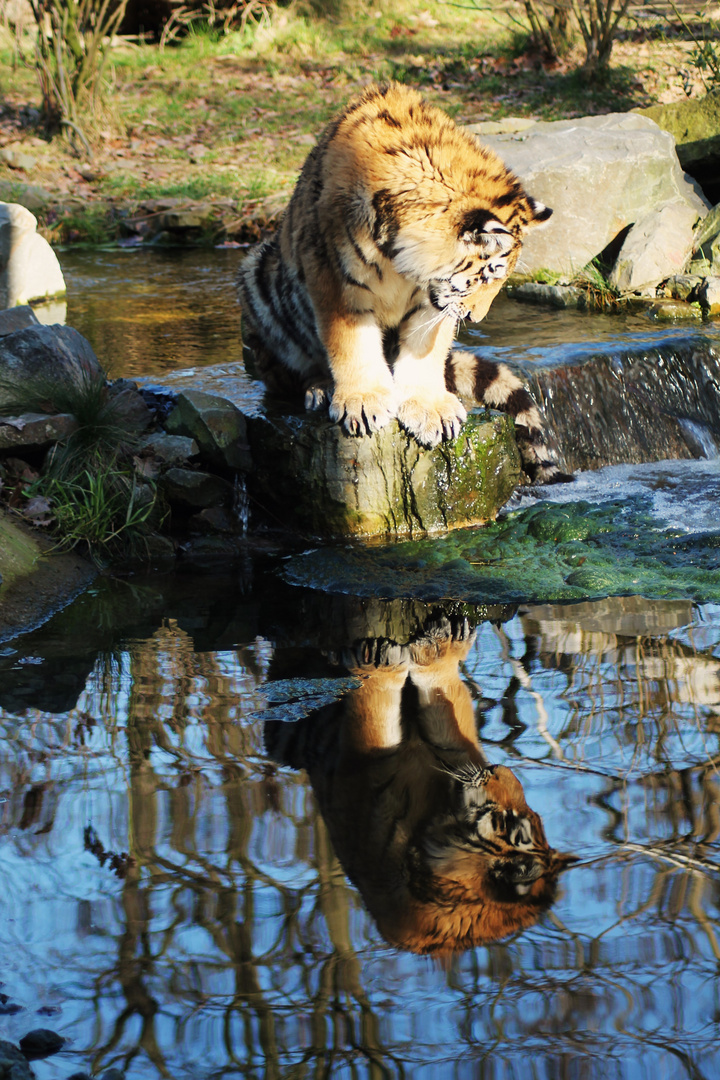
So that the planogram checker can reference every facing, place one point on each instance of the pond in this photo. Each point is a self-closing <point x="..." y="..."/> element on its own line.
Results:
<point x="174" y="904"/>
<point x="226" y="800"/>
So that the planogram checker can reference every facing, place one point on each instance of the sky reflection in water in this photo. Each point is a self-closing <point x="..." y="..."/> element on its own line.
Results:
<point x="230" y="942"/>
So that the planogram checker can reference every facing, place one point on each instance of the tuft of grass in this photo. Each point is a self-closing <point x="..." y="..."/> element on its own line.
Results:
<point x="599" y="294"/>
<point x="89" y="480"/>
<point x="103" y="507"/>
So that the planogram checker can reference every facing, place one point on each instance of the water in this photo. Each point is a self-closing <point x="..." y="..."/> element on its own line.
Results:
<point x="177" y="905"/>
<point x="173" y="902"/>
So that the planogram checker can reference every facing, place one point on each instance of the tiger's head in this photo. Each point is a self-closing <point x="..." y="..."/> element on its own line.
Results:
<point x="439" y="205"/>
<point x="478" y="869"/>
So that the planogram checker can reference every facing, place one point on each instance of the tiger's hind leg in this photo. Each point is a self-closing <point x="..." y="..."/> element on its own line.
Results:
<point x="496" y="386"/>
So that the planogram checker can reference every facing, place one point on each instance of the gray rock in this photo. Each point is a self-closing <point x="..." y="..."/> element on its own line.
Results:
<point x="46" y="358"/>
<point x="169" y="448"/>
<point x="681" y="286"/>
<point x="33" y="430"/>
<point x="309" y="476"/>
<point x="41" y="1043"/>
<point x="192" y="488"/>
<point x="217" y="426"/>
<point x="13" y="1064"/>
<point x="29" y="268"/>
<point x="708" y="295"/>
<point x="113" y="1074"/>
<point x="560" y="296"/>
<point x="17" y="318"/>
<point x="600" y="174"/>
<point x="658" y="245"/>
<point x="129" y="407"/>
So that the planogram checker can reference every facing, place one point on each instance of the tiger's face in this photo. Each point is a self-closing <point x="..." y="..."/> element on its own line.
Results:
<point x="489" y="836"/>
<point x="477" y="256"/>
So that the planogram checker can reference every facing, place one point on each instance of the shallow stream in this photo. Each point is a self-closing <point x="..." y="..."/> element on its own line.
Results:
<point x="176" y="904"/>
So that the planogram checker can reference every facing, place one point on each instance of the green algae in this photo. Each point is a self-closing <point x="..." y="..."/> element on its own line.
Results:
<point x="547" y="553"/>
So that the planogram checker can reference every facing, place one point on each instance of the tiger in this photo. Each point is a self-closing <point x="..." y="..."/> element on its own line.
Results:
<point x="440" y="843"/>
<point x="400" y="226"/>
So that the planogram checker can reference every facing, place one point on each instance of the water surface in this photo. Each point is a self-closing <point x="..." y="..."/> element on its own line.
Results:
<point x="173" y="899"/>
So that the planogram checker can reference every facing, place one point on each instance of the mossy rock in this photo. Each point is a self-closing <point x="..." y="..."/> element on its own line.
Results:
<point x="310" y="476"/>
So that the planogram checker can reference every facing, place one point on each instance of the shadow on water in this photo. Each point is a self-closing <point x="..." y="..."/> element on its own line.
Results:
<point x="188" y="901"/>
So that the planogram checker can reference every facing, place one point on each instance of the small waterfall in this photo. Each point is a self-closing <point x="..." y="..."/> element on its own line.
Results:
<point x="644" y="402"/>
<point x="241" y="502"/>
<point x="699" y="435"/>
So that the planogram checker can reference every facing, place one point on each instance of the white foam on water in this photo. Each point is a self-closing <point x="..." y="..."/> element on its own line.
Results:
<point x="683" y="494"/>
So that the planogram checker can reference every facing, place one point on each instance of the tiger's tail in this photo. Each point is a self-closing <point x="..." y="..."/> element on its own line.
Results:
<point x="497" y="387"/>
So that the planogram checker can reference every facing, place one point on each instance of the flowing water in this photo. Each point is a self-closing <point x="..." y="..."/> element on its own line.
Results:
<point x="181" y="899"/>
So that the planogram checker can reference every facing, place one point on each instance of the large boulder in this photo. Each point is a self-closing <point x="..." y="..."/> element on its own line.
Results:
<point x="695" y="127"/>
<point x="600" y="174"/>
<point x="29" y="268"/>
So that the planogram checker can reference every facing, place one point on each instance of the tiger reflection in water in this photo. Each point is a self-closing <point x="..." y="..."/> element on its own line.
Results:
<point x="442" y="845"/>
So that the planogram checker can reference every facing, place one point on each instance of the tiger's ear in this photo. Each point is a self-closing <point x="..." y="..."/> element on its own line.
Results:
<point x="539" y="212"/>
<point x="487" y="233"/>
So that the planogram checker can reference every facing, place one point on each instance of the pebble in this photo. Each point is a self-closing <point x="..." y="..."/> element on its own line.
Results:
<point x="41" y="1043"/>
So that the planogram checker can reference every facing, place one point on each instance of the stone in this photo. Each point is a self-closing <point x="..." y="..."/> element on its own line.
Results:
<point x="13" y="1064"/>
<point x="600" y="174"/>
<point x="215" y="519"/>
<point x="169" y="449"/>
<point x="196" y="216"/>
<point x="17" y="318"/>
<point x="113" y="1074"/>
<point x="559" y="296"/>
<point x="216" y="425"/>
<point x="657" y="246"/>
<point x="41" y="1043"/>
<point x="708" y="296"/>
<point x="695" y="128"/>
<point x="681" y="286"/>
<point x="31" y="196"/>
<point x="29" y="268"/>
<point x="675" y="311"/>
<point x="308" y="475"/>
<point x="34" y="430"/>
<point x="16" y="158"/>
<point x="129" y="407"/>
<point x="193" y="488"/>
<point x="47" y="359"/>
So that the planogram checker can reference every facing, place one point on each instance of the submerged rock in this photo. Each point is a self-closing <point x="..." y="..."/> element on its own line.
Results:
<point x="13" y="1064"/>
<point x="41" y="1043"/>
<point x="547" y="553"/>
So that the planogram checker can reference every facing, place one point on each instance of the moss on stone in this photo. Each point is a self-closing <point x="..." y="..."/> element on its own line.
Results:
<point x="548" y="553"/>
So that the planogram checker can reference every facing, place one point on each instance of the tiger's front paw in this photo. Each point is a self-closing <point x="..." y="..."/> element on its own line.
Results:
<point x="432" y="420"/>
<point x="362" y="413"/>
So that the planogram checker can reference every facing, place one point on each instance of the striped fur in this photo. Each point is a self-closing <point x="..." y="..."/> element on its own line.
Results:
<point x="442" y="846"/>
<point x="400" y="226"/>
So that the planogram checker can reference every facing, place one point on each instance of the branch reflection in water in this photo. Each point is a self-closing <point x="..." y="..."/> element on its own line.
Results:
<point x="177" y="894"/>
